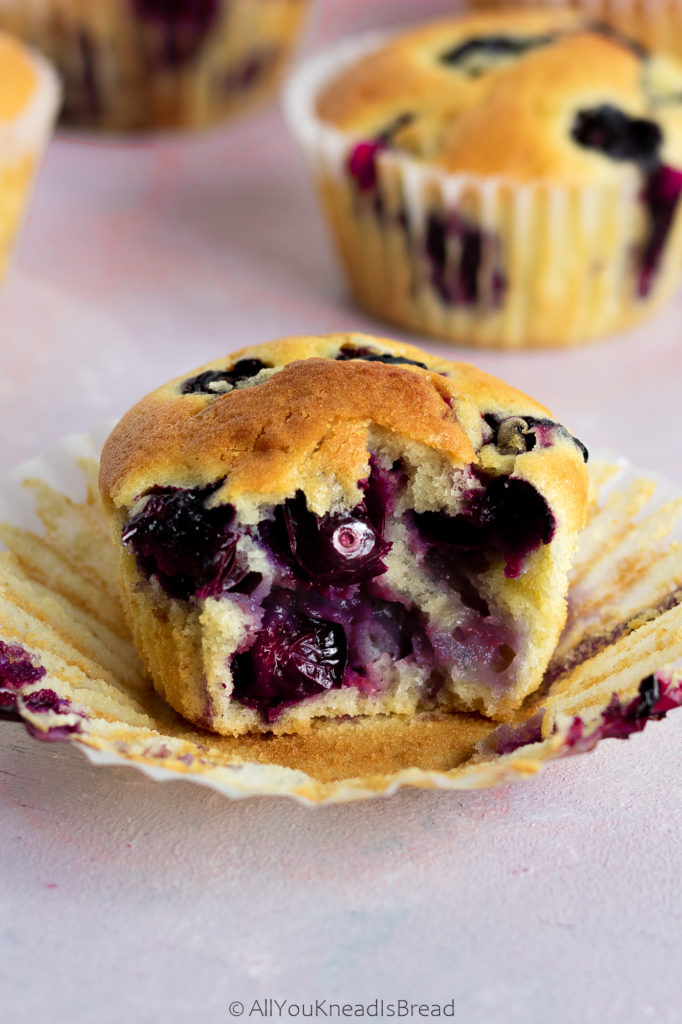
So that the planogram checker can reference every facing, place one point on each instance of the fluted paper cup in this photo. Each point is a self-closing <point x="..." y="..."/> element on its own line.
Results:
<point x="70" y="672"/>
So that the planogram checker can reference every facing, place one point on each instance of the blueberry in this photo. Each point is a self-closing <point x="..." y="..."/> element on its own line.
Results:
<point x="474" y="56"/>
<point x="649" y="695"/>
<point x="370" y="356"/>
<point x="293" y="657"/>
<point x="508" y="517"/>
<point x="617" y="135"/>
<point x="189" y="548"/>
<point x="362" y="164"/>
<point x="212" y="382"/>
<point x="457" y="281"/>
<point x="335" y="549"/>
<point x="519" y="434"/>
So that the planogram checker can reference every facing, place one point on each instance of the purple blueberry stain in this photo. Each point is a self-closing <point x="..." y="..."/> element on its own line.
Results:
<point x="17" y="670"/>
<point x="661" y="196"/>
<point x="184" y="26"/>
<point x="458" y="280"/>
<point x="657" y="696"/>
<point x="506" y="739"/>
<point x="55" y="733"/>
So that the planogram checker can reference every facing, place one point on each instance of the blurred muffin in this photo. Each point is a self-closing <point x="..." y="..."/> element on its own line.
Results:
<point x="29" y="96"/>
<point x="655" y="24"/>
<point x="341" y="526"/>
<point x="501" y="179"/>
<point x="135" y="65"/>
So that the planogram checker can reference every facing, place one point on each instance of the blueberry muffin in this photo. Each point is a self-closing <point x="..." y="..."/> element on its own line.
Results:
<point x="342" y="525"/>
<point x="29" y="96"/>
<point x="133" y="65"/>
<point x="506" y="178"/>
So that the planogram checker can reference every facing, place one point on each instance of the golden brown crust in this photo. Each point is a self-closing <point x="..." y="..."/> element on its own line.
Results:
<point x="310" y="418"/>
<point x="531" y="100"/>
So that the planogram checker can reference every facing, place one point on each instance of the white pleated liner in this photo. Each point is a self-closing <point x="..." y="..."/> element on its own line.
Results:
<point x="571" y="242"/>
<point x="163" y="757"/>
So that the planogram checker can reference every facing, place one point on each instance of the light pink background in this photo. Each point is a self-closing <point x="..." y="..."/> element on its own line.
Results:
<point x="127" y="900"/>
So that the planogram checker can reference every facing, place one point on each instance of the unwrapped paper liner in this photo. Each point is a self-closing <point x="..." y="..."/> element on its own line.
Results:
<point x="69" y="670"/>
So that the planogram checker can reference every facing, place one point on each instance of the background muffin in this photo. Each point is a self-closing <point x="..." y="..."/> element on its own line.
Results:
<point x="656" y="25"/>
<point x="342" y="526"/>
<point x="505" y="178"/>
<point x="29" y="96"/>
<point x="133" y="65"/>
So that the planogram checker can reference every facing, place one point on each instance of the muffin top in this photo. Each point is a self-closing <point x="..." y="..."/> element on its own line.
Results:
<point x="304" y="412"/>
<point x="17" y="78"/>
<point x="528" y="95"/>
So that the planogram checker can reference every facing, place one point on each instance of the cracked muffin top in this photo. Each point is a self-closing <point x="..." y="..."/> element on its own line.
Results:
<point x="299" y="412"/>
<point x="527" y="95"/>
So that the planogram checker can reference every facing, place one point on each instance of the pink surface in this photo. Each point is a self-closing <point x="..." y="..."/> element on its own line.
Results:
<point x="124" y="899"/>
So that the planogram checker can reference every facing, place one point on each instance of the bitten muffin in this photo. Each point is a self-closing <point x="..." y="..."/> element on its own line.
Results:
<point x="342" y="525"/>
<point x="29" y="96"/>
<point x="137" y="65"/>
<point x="507" y="178"/>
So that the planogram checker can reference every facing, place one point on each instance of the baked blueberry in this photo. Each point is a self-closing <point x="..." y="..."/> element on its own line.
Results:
<point x="372" y="356"/>
<point x="212" y="382"/>
<point x="613" y="132"/>
<point x="476" y="56"/>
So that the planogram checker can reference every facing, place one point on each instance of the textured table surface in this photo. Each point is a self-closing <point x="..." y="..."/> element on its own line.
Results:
<point x="122" y="899"/>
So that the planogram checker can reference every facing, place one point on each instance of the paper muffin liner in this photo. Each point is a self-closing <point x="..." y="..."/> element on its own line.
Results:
<point x="124" y="70"/>
<point x="22" y="143"/>
<point x="69" y="670"/>
<point x="477" y="260"/>
<point x="657" y="24"/>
